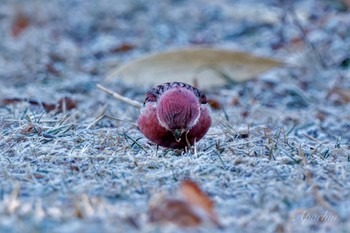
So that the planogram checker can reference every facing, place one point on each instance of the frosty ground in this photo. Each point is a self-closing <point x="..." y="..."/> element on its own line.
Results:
<point x="276" y="158"/>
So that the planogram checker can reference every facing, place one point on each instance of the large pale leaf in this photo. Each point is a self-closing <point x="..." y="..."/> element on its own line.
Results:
<point x="207" y="67"/>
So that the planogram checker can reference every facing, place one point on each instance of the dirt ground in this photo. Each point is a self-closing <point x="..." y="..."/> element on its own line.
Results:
<point x="276" y="159"/>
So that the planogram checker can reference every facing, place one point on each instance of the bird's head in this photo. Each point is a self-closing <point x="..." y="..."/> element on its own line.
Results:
<point x="178" y="110"/>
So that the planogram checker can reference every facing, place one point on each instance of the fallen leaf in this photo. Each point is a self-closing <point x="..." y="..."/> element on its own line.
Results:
<point x="21" y="22"/>
<point x="31" y="129"/>
<point x="195" y="196"/>
<point x="245" y="113"/>
<point x="189" y="207"/>
<point x="214" y="104"/>
<point x="235" y="101"/>
<point x="38" y="176"/>
<point x="209" y="67"/>
<point x="175" y="211"/>
<point x="8" y="101"/>
<point x="65" y="103"/>
<point x="122" y="48"/>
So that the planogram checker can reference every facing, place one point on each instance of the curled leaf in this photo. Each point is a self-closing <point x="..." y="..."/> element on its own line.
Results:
<point x="208" y="67"/>
<point x="189" y="207"/>
<point x="196" y="197"/>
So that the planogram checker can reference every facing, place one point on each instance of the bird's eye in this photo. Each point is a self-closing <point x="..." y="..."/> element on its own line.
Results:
<point x="203" y="99"/>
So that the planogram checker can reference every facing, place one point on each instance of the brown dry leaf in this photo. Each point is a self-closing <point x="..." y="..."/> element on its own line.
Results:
<point x="210" y="67"/>
<point x="190" y="207"/>
<point x="195" y="196"/>
<point x="46" y="106"/>
<point x="122" y="48"/>
<point x="65" y="103"/>
<point x="38" y="176"/>
<point x="21" y="22"/>
<point x="214" y="104"/>
<point x="235" y="101"/>
<point x="174" y="211"/>
<point x="31" y="129"/>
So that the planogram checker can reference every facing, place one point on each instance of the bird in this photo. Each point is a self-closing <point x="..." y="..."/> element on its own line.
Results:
<point x="174" y="115"/>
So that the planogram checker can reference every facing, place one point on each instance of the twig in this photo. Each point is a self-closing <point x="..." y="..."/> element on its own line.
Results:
<point x="95" y="121"/>
<point x="99" y="117"/>
<point x="117" y="96"/>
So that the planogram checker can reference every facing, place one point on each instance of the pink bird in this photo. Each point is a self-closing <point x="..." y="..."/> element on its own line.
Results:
<point x="174" y="115"/>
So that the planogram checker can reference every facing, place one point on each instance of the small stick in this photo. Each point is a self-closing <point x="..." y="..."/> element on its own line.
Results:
<point x="117" y="96"/>
<point x="95" y="121"/>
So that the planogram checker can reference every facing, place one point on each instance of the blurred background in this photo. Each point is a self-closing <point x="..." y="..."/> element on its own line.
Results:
<point x="44" y="41"/>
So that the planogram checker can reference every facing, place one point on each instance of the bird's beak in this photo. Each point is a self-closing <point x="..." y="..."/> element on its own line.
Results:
<point x="178" y="133"/>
